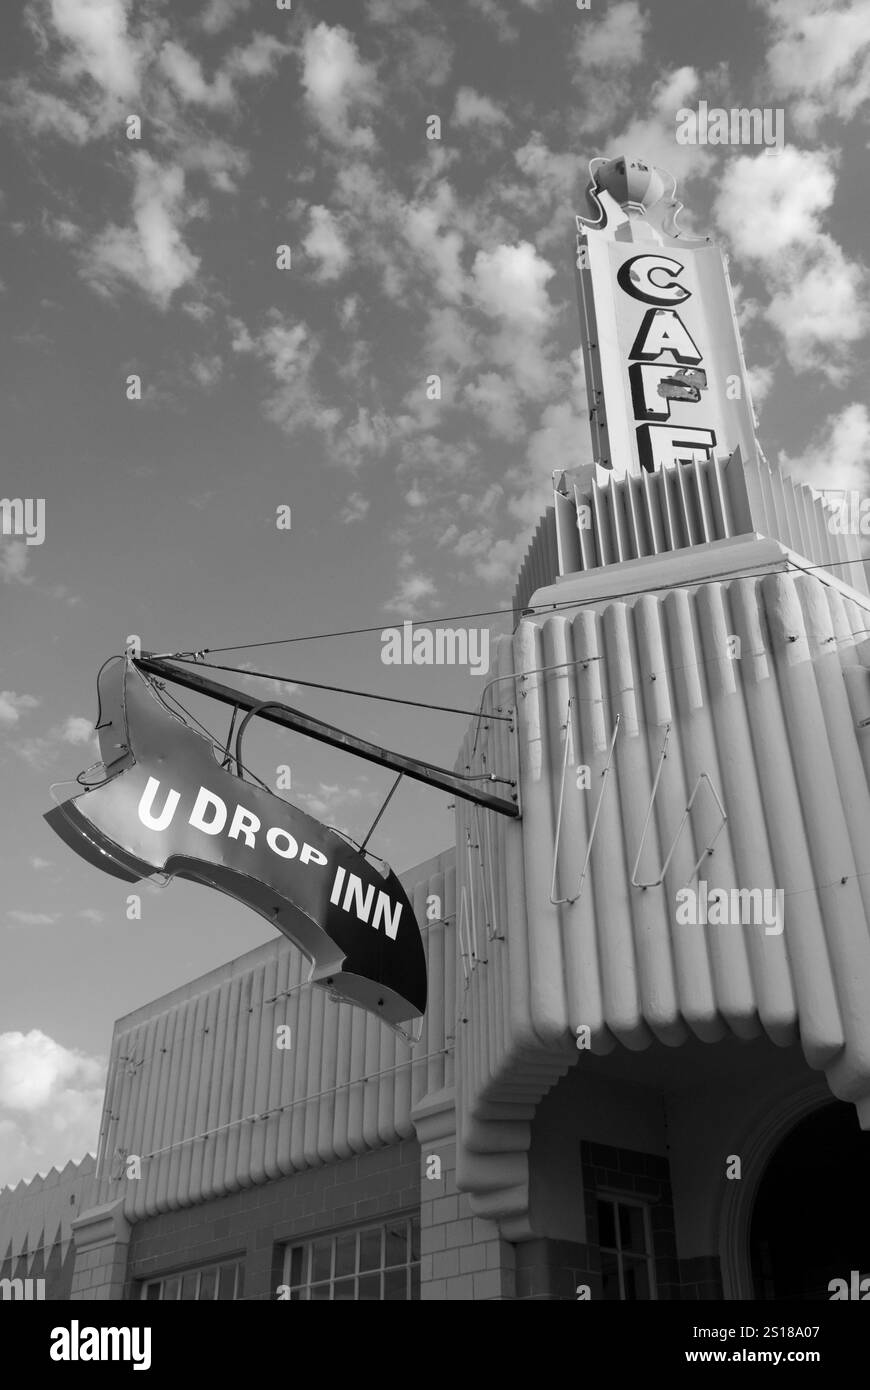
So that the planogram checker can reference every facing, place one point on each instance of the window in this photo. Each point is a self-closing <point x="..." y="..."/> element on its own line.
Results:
<point x="371" y="1264"/>
<point x="222" y="1281"/>
<point x="627" y="1268"/>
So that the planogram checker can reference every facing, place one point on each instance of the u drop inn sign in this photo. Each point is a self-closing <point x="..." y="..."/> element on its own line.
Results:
<point x="165" y="805"/>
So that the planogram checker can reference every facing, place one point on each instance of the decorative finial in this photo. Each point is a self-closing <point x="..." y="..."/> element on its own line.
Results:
<point x="635" y="188"/>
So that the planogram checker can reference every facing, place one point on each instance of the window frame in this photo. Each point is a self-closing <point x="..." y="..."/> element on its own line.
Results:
<point x="215" y="1266"/>
<point x="301" y="1292"/>
<point x="625" y="1199"/>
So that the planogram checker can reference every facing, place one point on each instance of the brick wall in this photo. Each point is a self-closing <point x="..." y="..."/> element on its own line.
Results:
<point x="250" y="1224"/>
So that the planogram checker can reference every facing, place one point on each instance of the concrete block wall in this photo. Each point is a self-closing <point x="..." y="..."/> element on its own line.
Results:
<point x="255" y="1224"/>
<point x="101" y="1237"/>
<point x="462" y="1257"/>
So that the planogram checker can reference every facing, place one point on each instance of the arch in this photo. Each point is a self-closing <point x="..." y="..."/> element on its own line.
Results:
<point x="762" y="1135"/>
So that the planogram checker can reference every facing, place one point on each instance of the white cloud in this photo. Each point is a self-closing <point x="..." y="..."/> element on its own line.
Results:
<point x="495" y="400"/>
<point x="391" y="11"/>
<point x="510" y="283"/>
<point x="11" y="706"/>
<point x="44" y="113"/>
<point x="99" y="44"/>
<point x="820" y="301"/>
<point x="355" y="509"/>
<point x="494" y="11"/>
<point x="770" y="202"/>
<point x="474" y="109"/>
<point x="822" y="312"/>
<point x="839" y="454"/>
<point x="325" y="244"/>
<point x="330" y="800"/>
<point x="413" y="589"/>
<point x="76" y="729"/>
<point x="258" y="58"/>
<point x="437" y="252"/>
<point x="207" y="370"/>
<point x="653" y="133"/>
<point x="613" y="41"/>
<point x="819" y="57"/>
<point x="50" y="1104"/>
<point x="14" y="559"/>
<point x="91" y="914"/>
<point x="152" y="254"/>
<point x="218" y="14"/>
<point x="336" y="82"/>
<point x="22" y="918"/>
<point x="289" y="351"/>
<point x="37" y="862"/>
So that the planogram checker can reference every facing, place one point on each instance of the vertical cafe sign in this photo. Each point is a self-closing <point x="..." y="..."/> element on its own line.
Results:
<point x="665" y="373"/>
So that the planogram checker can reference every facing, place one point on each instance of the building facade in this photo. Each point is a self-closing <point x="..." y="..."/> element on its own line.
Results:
<point x="647" y="1041"/>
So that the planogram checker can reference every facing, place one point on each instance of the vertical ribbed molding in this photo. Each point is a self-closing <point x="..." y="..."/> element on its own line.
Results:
<point x="199" y="1091"/>
<point x="36" y="1218"/>
<point x="607" y="520"/>
<point x="763" y="686"/>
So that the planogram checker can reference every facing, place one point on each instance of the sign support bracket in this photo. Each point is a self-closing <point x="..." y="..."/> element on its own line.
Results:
<point x="275" y="712"/>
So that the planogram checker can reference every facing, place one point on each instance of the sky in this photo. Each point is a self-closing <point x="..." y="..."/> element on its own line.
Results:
<point x="270" y="381"/>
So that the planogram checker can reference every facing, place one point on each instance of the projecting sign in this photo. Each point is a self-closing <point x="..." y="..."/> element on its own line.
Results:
<point x="165" y="805"/>
<point x="664" y="366"/>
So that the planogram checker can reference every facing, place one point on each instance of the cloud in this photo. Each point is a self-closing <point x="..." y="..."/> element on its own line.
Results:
<point x="355" y="509"/>
<point x="473" y="109"/>
<point x="22" y="918"/>
<point x="820" y="301"/>
<point x="152" y="254"/>
<point x="325" y="244"/>
<point x="207" y="370"/>
<point x="391" y="11"/>
<point x="329" y="801"/>
<point x="606" y="50"/>
<point x="819" y="56"/>
<point x="494" y="11"/>
<point x="289" y="351"/>
<point x="510" y="284"/>
<point x="337" y="82"/>
<point x="11" y="706"/>
<point x="495" y="401"/>
<point x="91" y="914"/>
<point x="44" y="113"/>
<point x="37" y="862"/>
<point x="788" y="191"/>
<point x="77" y="730"/>
<point x="14" y="559"/>
<point x="51" y="1101"/>
<point x="256" y="59"/>
<point x="98" y="44"/>
<point x="838" y="456"/>
<point x="42" y="750"/>
<point x="413" y="589"/>
<point x="217" y="15"/>
<point x="613" y="41"/>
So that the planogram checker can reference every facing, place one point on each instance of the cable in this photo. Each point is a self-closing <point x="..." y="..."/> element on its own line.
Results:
<point x="335" y="689"/>
<point x="218" y="747"/>
<point x="790" y="566"/>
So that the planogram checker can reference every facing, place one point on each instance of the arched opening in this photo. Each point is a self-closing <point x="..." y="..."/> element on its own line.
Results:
<point x="811" y="1215"/>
